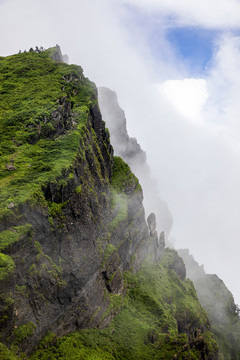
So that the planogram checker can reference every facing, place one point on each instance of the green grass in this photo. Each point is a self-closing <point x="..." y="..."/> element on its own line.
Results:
<point x="146" y="326"/>
<point x="123" y="178"/>
<point x="9" y="237"/>
<point x="32" y="86"/>
<point x="78" y="189"/>
<point x="23" y="332"/>
<point x="71" y="348"/>
<point x="6" y="354"/>
<point x="7" y="266"/>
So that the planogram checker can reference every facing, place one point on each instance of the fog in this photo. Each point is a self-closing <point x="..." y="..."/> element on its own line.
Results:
<point x="195" y="156"/>
<point x="131" y="152"/>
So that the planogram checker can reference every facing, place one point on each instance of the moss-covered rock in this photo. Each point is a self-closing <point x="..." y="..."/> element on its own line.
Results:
<point x="7" y="266"/>
<point x="13" y="235"/>
<point x="147" y="325"/>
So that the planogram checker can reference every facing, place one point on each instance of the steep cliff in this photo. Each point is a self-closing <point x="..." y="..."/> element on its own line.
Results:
<point x="219" y="304"/>
<point x="129" y="149"/>
<point x="75" y="247"/>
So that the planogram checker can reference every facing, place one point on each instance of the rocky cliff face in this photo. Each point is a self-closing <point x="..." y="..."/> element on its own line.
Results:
<point x="73" y="231"/>
<point x="129" y="149"/>
<point x="65" y="248"/>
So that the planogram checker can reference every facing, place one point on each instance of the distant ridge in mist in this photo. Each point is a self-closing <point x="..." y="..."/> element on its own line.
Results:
<point x="219" y="305"/>
<point x="131" y="152"/>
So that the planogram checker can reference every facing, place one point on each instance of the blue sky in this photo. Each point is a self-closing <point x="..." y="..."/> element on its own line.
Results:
<point x="193" y="45"/>
<point x="191" y="29"/>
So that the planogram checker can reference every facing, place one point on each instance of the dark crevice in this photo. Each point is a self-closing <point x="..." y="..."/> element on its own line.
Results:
<point x="106" y="280"/>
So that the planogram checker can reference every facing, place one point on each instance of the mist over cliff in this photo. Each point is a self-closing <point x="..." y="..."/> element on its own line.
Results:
<point x="129" y="149"/>
<point x="219" y="304"/>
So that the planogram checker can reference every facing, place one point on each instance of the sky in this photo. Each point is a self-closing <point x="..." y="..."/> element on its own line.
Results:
<point x="175" y="65"/>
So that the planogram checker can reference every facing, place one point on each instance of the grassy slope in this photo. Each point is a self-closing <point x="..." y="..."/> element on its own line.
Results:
<point x="146" y="326"/>
<point x="122" y="180"/>
<point x="31" y="85"/>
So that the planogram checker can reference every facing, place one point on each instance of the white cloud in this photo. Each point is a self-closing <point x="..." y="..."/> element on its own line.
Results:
<point x="199" y="174"/>
<point x="187" y="95"/>
<point x="212" y="14"/>
<point x="224" y="84"/>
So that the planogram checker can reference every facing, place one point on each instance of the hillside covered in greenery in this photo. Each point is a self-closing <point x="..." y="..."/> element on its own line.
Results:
<point x="82" y="275"/>
<point x="159" y="318"/>
<point x="39" y="104"/>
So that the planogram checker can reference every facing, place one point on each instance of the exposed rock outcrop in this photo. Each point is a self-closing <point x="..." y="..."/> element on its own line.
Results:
<point x="56" y="53"/>
<point x="162" y="240"/>
<point x="151" y="220"/>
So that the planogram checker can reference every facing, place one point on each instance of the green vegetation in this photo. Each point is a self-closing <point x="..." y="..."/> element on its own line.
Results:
<point x="123" y="181"/>
<point x="22" y="290"/>
<point x="148" y="325"/>
<point x="116" y="302"/>
<point x="119" y="204"/>
<point x="7" y="266"/>
<point x="44" y="107"/>
<point x="71" y="348"/>
<point x="55" y="211"/>
<point x="78" y="189"/>
<point x="9" y="237"/>
<point x="123" y="178"/>
<point x="23" y="332"/>
<point x="109" y="250"/>
<point x="6" y="354"/>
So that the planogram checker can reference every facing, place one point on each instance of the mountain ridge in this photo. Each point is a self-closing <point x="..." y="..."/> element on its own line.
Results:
<point x="82" y="273"/>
